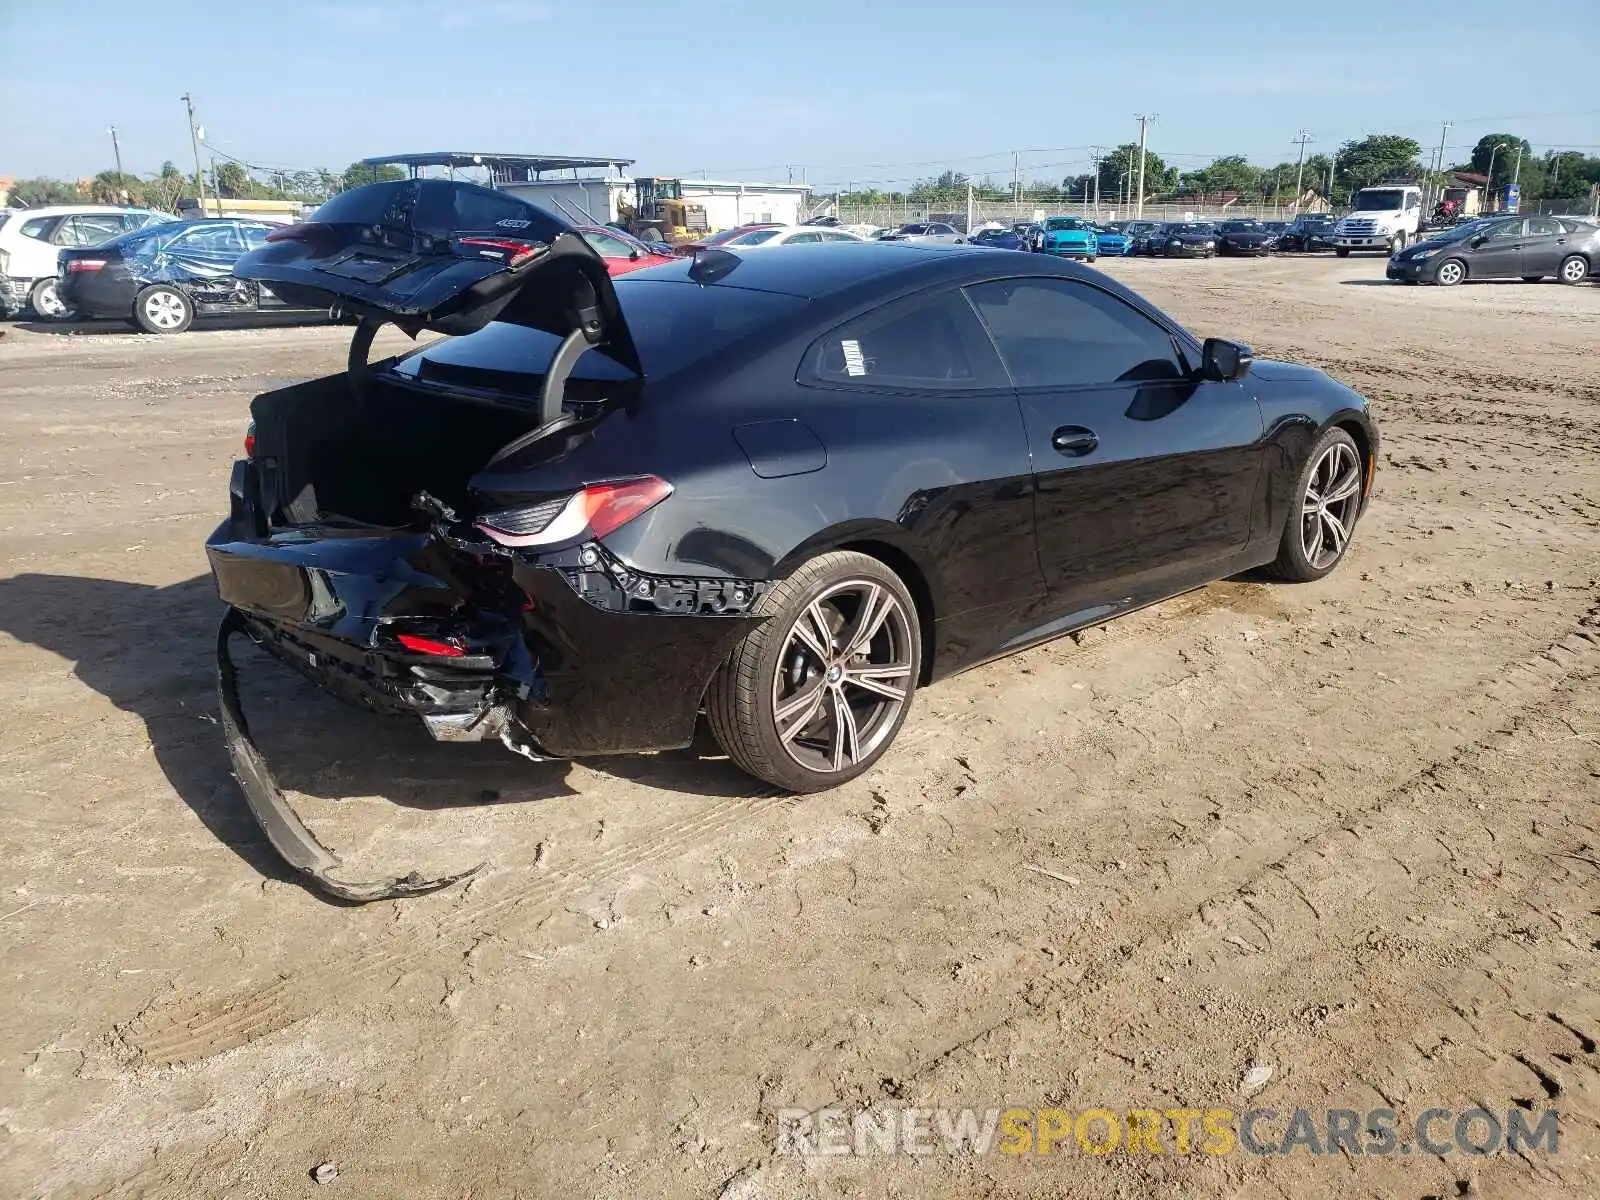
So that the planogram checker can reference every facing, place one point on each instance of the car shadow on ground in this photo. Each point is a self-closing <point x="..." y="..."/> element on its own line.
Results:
<point x="151" y="651"/>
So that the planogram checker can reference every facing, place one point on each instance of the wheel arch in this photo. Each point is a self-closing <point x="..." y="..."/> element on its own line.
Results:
<point x="891" y="545"/>
<point x="1362" y="433"/>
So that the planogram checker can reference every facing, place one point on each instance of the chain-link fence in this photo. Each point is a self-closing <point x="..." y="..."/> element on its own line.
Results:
<point x="1007" y="212"/>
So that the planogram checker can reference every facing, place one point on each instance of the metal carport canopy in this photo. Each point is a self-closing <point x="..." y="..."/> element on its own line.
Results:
<point x="502" y="167"/>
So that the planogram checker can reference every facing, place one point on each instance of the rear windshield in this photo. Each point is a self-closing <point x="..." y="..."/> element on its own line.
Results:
<point x="673" y="325"/>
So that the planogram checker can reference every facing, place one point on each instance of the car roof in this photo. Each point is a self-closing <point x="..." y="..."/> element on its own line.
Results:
<point x="823" y="269"/>
<point x="68" y="210"/>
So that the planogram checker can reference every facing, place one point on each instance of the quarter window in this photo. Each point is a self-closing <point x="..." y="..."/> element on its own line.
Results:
<point x="1544" y="227"/>
<point x="926" y="343"/>
<point x="88" y="229"/>
<point x="39" y="228"/>
<point x="1059" y="333"/>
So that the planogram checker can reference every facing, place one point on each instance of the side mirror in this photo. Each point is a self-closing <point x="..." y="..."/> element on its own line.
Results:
<point x="634" y="254"/>
<point x="1224" y="361"/>
<point x="1477" y="241"/>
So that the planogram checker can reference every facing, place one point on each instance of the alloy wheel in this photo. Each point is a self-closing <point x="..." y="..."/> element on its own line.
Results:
<point x="1450" y="273"/>
<point x="1333" y="495"/>
<point x="47" y="302"/>
<point x="1574" y="270"/>
<point x="164" y="310"/>
<point x="843" y="677"/>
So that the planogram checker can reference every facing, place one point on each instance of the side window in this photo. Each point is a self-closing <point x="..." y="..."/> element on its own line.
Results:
<point x="1544" y="227"/>
<point x="39" y="228"/>
<point x="1059" y="333"/>
<point x="1504" y="233"/>
<point x="255" y="236"/>
<point x="805" y="237"/>
<point x="925" y="343"/>
<point x="88" y="229"/>
<point x="608" y="247"/>
<point x="207" y="239"/>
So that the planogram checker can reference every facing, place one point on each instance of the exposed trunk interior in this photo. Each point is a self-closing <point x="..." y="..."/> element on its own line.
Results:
<point x="335" y="452"/>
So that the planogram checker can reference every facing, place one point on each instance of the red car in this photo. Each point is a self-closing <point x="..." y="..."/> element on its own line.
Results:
<point x="622" y="252"/>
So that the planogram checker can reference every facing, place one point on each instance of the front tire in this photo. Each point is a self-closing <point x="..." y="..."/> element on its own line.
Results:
<point x="1574" y="269"/>
<point x="1451" y="272"/>
<point x="1328" y="499"/>
<point x="1397" y="243"/>
<point x="814" y="696"/>
<point x="162" y="309"/>
<point x="47" y="303"/>
<point x="1342" y="251"/>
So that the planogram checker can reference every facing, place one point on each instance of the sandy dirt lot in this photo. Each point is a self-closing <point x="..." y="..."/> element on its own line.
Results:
<point x="1349" y="831"/>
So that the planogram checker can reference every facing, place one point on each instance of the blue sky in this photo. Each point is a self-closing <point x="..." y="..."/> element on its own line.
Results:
<point x="851" y="92"/>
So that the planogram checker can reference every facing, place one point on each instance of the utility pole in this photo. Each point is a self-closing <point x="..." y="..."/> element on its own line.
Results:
<point x="1331" y="160"/>
<point x="1516" y="170"/>
<point x="1300" y="166"/>
<point x="1095" y="150"/>
<point x="1144" y="119"/>
<point x="116" y="152"/>
<point x="1016" y="177"/>
<point x="194" y="144"/>
<point x="1438" y="166"/>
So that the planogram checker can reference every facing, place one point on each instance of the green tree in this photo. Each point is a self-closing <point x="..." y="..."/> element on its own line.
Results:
<point x="110" y="187"/>
<point x="163" y="189"/>
<point x="1315" y="175"/>
<point x="233" y="181"/>
<point x="360" y="174"/>
<point x="1569" y="173"/>
<point x="1377" y="158"/>
<point x="37" y="193"/>
<point x="1119" y="172"/>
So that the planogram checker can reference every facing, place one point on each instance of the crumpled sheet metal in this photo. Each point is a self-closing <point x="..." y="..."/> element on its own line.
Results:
<point x="270" y="807"/>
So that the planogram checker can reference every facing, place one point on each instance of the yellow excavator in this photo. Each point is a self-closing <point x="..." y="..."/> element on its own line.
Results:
<point x="659" y="214"/>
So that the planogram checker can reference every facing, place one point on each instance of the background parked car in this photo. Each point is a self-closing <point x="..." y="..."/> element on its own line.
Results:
<point x="926" y="231"/>
<point x="1139" y="234"/>
<point x="1030" y="232"/>
<point x="1526" y="248"/>
<point x="787" y="235"/>
<point x="622" y="252"/>
<point x="1308" y="233"/>
<point x="1000" y="239"/>
<point x="1070" y="237"/>
<point x="721" y="238"/>
<point x="1186" y="239"/>
<point x="161" y="277"/>
<point x="30" y="241"/>
<point x="1243" y="237"/>
<point x="1112" y="242"/>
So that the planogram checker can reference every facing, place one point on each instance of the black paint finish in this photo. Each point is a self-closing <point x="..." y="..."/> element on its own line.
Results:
<point x="1015" y="514"/>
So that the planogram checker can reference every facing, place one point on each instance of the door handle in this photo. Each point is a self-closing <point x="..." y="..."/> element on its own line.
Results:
<point x="1074" y="440"/>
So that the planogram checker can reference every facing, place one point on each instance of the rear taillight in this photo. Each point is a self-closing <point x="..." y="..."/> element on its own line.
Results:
<point x="434" y="646"/>
<point x="250" y="441"/>
<point x="600" y="509"/>
<point x="75" y="265"/>
<point x="516" y="253"/>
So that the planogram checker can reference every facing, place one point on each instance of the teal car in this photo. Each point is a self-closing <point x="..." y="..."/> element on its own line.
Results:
<point x="1070" y="237"/>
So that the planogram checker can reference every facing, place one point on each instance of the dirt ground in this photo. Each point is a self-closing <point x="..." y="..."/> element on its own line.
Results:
<point x="1348" y="830"/>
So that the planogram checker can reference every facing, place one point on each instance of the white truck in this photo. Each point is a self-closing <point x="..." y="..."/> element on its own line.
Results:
<point x="1383" y="218"/>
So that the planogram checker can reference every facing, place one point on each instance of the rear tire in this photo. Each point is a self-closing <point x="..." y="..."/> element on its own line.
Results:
<point x="1574" y="269"/>
<point x="1342" y="251"/>
<point x="774" y="705"/>
<point x="1313" y="544"/>
<point x="46" y="302"/>
<point x="161" y="308"/>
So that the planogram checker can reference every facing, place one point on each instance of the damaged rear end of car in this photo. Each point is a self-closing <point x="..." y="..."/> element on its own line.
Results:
<point x="424" y="536"/>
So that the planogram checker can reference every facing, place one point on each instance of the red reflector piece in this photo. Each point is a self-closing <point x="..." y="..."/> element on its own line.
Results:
<point x="516" y="253"/>
<point x="422" y="645"/>
<point x="250" y="441"/>
<point x="613" y="505"/>
<point x="75" y="265"/>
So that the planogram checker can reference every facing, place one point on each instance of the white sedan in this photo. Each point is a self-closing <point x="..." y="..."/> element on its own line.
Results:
<point x="788" y="235"/>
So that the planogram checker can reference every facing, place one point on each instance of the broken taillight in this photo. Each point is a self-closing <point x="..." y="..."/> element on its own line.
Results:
<point x="250" y="441"/>
<point x="599" y="509"/>
<point x="75" y="265"/>
<point x="426" y="645"/>
<point x="516" y="253"/>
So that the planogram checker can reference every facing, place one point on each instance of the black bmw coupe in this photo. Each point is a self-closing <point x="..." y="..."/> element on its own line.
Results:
<point x="782" y="490"/>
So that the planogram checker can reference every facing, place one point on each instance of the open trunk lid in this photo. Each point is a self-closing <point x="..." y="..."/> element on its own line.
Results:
<point x="449" y="257"/>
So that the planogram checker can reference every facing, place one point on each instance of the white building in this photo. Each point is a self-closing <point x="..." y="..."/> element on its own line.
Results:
<point x="555" y="183"/>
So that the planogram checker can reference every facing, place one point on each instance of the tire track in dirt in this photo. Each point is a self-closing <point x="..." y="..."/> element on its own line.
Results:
<point x="1194" y="882"/>
<point x="186" y="1029"/>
